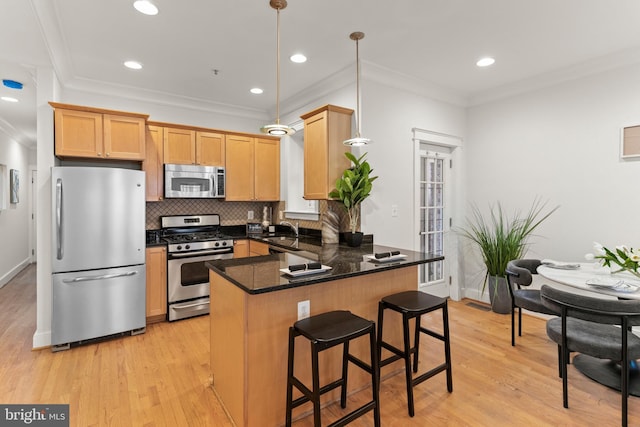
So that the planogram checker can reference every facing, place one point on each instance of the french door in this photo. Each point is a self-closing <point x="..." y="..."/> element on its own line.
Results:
<point x="433" y="205"/>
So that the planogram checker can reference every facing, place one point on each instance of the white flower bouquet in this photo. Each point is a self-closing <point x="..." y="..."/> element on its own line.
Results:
<point x="626" y="258"/>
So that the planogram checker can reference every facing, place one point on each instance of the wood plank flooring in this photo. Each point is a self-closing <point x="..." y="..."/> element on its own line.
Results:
<point x="161" y="378"/>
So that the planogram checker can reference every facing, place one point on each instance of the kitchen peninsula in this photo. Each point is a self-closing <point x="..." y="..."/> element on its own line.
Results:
<point x="253" y="304"/>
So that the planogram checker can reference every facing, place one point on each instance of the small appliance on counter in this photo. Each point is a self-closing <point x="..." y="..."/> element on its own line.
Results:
<point x="153" y="236"/>
<point x="254" y="228"/>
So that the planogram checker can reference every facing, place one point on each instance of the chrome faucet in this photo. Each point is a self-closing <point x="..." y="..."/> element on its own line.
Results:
<point x="293" y="227"/>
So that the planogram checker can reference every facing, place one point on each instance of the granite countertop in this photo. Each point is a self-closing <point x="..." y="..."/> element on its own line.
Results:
<point x="260" y="274"/>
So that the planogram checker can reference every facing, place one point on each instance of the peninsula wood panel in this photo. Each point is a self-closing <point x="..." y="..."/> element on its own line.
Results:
<point x="249" y="336"/>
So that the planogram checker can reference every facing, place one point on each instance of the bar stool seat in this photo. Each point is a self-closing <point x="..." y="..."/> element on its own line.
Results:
<point x="324" y="331"/>
<point x="413" y="304"/>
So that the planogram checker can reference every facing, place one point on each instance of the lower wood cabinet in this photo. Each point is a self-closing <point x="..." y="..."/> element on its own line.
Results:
<point x="156" y="265"/>
<point x="240" y="248"/>
<point x="258" y="248"/>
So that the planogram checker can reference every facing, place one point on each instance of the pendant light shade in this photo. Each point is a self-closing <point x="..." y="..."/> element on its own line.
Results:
<point x="277" y="129"/>
<point x="358" y="140"/>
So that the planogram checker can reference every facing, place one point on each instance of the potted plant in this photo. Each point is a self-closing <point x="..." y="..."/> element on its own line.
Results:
<point x="501" y="239"/>
<point x="351" y="189"/>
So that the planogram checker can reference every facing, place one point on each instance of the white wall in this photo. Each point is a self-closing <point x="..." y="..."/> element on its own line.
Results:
<point x="14" y="220"/>
<point x="388" y="117"/>
<point x="560" y="144"/>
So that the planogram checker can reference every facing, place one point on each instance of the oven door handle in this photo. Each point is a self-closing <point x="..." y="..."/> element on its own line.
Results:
<point x="194" y="254"/>
<point x="185" y="306"/>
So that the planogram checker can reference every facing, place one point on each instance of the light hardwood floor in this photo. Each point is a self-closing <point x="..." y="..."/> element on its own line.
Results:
<point x="161" y="378"/>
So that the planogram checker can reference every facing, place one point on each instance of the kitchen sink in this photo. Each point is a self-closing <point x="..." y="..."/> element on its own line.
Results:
<point x="288" y="241"/>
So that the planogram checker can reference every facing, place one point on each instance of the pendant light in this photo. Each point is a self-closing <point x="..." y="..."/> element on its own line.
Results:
<point x="358" y="140"/>
<point x="277" y="129"/>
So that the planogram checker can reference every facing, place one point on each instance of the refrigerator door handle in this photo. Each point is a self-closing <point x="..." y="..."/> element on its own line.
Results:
<point x="101" y="277"/>
<point x="59" y="218"/>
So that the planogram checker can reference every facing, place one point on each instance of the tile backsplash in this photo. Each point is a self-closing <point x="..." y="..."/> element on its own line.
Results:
<point x="233" y="213"/>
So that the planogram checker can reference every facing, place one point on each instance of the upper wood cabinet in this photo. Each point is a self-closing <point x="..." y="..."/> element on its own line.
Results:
<point x="193" y="147"/>
<point x="324" y="130"/>
<point x="267" y="169"/>
<point x="96" y="133"/>
<point x="210" y="148"/>
<point x="253" y="168"/>
<point x="152" y="164"/>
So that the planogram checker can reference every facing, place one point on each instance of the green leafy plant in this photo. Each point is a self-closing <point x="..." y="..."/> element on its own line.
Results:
<point x="353" y="187"/>
<point x="624" y="257"/>
<point x="502" y="238"/>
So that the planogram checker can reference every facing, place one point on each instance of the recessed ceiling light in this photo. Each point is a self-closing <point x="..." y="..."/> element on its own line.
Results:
<point x="298" y="58"/>
<point x="8" y="99"/>
<point x="134" y="65"/>
<point x="485" y="62"/>
<point x="256" y="90"/>
<point x="146" y="7"/>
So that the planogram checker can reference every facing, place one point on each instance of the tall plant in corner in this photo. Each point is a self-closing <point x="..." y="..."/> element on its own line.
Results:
<point x="502" y="238"/>
<point x="353" y="187"/>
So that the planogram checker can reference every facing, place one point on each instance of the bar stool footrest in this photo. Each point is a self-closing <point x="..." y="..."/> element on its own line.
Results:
<point x="429" y="374"/>
<point x="308" y="393"/>
<point x="354" y="414"/>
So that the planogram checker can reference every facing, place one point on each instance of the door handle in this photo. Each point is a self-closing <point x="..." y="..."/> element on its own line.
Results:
<point x="59" y="251"/>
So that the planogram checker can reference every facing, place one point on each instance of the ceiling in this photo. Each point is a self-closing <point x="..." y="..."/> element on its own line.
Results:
<point x="430" y="44"/>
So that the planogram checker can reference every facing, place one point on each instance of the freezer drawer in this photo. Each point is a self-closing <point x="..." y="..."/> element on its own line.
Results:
<point x="97" y="303"/>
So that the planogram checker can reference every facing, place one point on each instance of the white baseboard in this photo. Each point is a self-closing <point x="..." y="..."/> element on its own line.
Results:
<point x="477" y="294"/>
<point x="41" y="340"/>
<point x="13" y="272"/>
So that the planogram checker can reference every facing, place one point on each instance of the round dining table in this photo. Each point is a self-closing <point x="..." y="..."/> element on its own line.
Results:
<point x="598" y="280"/>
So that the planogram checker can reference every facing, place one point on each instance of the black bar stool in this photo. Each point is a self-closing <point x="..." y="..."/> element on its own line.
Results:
<point x="325" y="331"/>
<point x="413" y="304"/>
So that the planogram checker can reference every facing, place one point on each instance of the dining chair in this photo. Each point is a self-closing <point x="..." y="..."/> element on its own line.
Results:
<point x="596" y="327"/>
<point x="519" y="274"/>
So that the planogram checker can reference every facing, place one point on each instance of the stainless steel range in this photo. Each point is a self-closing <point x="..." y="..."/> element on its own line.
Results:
<point x="191" y="241"/>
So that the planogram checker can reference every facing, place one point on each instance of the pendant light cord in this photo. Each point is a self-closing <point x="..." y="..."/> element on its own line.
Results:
<point x="278" y="67"/>
<point x="357" y="90"/>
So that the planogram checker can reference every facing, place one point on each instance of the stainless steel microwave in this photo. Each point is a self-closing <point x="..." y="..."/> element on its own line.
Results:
<point x="193" y="182"/>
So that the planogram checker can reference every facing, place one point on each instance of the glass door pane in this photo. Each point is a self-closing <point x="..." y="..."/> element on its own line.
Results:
<point x="432" y="226"/>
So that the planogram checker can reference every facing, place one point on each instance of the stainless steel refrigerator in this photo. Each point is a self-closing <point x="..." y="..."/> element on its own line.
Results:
<point x="98" y="253"/>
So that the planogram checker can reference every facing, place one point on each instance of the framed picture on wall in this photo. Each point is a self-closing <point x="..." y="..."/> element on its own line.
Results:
<point x="630" y="142"/>
<point x="14" y="185"/>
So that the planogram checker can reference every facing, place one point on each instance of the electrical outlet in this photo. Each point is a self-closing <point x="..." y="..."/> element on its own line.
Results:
<point x="249" y="214"/>
<point x="280" y="214"/>
<point x="304" y="308"/>
<point x="394" y="210"/>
